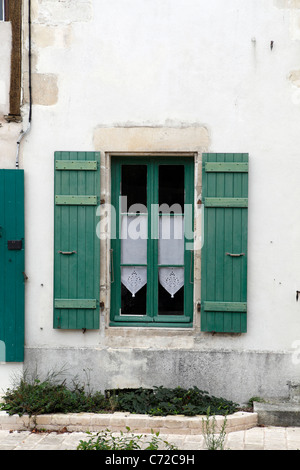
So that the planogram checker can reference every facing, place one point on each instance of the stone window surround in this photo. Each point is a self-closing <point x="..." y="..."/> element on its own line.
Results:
<point x="148" y="141"/>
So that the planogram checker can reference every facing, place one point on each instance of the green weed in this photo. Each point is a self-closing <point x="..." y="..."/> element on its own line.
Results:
<point x="106" y="440"/>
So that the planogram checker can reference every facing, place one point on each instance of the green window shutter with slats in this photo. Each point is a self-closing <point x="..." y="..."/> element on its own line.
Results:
<point x="224" y="251"/>
<point x="12" y="266"/>
<point x="76" y="244"/>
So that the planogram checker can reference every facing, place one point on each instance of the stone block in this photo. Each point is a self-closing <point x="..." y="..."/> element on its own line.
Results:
<point x="60" y="419"/>
<point x="195" y="423"/>
<point x="174" y="422"/>
<point x="137" y="422"/>
<point x="101" y="421"/>
<point x="156" y="422"/>
<point x="83" y="419"/>
<point x="44" y="420"/>
<point x="44" y="89"/>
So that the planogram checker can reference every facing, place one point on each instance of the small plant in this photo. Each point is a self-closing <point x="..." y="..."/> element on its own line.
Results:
<point x="253" y="399"/>
<point x="106" y="440"/>
<point x="33" y="396"/>
<point x="213" y="439"/>
<point x="162" y="401"/>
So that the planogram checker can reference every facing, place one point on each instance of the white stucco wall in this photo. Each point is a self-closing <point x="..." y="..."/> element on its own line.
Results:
<point x="102" y="69"/>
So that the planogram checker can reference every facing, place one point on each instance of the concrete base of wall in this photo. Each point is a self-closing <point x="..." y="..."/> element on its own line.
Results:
<point x="233" y="375"/>
<point x="278" y="413"/>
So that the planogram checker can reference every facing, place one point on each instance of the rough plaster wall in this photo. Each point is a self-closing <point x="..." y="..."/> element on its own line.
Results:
<point x="51" y="30"/>
<point x="55" y="12"/>
<point x="146" y="78"/>
<point x="210" y="77"/>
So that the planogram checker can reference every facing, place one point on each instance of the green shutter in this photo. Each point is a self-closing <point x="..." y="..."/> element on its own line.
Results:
<point x="76" y="245"/>
<point x="12" y="270"/>
<point x="224" y="251"/>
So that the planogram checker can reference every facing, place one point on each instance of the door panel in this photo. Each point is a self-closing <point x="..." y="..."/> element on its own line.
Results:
<point x="12" y="265"/>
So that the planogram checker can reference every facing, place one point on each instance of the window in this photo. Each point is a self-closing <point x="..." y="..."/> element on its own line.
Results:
<point x="3" y="10"/>
<point x="152" y="278"/>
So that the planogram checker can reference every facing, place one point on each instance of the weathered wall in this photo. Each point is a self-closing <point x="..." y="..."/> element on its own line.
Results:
<point x="180" y="76"/>
<point x="236" y="375"/>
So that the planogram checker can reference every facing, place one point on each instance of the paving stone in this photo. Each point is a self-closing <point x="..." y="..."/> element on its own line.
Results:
<point x="253" y="447"/>
<point x="258" y="438"/>
<point x="293" y="445"/>
<point x="235" y="440"/>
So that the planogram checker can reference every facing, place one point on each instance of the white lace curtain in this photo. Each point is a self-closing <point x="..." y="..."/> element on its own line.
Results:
<point x="134" y="234"/>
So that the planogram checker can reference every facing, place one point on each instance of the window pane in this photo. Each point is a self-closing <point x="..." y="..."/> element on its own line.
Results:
<point x="171" y="187"/>
<point x="171" y="240"/>
<point x="134" y="186"/>
<point x="133" y="305"/>
<point x="133" y="291"/>
<point x="134" y="234"/>
<point x="171" y="291"/>
<point x="1" y="10"/>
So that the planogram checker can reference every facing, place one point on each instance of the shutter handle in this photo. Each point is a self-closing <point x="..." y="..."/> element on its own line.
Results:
<point x="112" y="274"/>
<point x="67" y="252"/>
<point x="235" y="254"/>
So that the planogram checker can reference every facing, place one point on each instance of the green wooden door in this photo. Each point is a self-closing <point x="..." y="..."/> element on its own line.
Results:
<point x="12" y="276"/>
<point x="224" y="252"/>
<point x="76" y="245"/>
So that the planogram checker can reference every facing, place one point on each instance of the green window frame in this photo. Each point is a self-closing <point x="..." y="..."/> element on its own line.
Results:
<point x="152" y="318"/>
